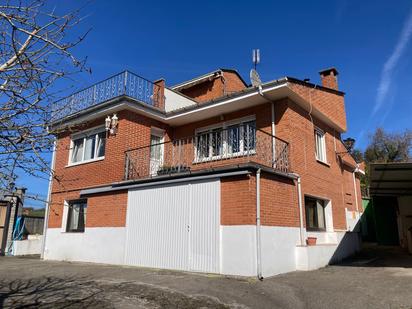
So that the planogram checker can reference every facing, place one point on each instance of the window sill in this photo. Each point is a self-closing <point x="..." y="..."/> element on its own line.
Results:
<point x="85" y="162"/>
<point x="323" y="163"/>
<point x="312" y="230"/>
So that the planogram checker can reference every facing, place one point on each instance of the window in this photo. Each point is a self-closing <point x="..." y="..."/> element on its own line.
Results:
<point x="225" y="141"/>
<point x="88" y="147"/>
<point x="76" y="216"/>
<point x="320" y="145"/>
<point x="315" y="214"/>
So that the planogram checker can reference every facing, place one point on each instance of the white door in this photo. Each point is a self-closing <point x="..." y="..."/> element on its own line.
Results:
<point x="174" y="227"/>
<point x="156" y="152"/>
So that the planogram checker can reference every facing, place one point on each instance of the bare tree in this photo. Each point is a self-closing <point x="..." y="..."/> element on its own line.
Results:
<point x="36" y="46"/>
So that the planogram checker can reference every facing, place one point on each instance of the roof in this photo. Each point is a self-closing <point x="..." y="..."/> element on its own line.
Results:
<point x="202" y="78"/>
<point x="273" y="90"/>
<point x="393" y="179"/>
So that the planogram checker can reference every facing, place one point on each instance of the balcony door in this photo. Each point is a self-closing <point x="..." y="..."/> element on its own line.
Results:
<point x="156" y="150"/>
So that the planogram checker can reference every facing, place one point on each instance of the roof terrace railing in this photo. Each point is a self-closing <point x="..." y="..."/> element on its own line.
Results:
<point x="122" y="84"/>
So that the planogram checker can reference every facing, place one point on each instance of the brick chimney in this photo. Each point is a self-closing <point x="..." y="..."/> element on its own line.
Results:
<point x="159" y="93"/>
<point x="329" y="78"/>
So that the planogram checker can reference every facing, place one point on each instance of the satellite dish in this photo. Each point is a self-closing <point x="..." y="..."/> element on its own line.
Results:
<point x="255" y="78"/>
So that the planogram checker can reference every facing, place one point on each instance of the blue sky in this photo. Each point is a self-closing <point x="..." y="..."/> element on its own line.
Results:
<point x="367" y="41"/>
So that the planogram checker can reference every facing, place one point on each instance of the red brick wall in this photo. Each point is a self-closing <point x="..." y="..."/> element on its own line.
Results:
<point x="279" y="203"/>
<point x="215" y="88"/>
<point x="238" y="200"/>
<point x="107" y="210"/>
<point x="324" y="181"/>
<point x="205" y="91"/>
<point x="133" y="131"/>
<point x="103" y="210"/>
<point x="329" y="103"/>
<point x="232" y="83"/>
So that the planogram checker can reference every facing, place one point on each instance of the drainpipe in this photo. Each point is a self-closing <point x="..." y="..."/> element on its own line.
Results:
<point x="273" y="136"/>
<point x="301" y="227"/>
<point x="47" y="212"/>
<point x="260" y="89"/>
<point x="354" y="187"/>
<point x="258" y="237"/>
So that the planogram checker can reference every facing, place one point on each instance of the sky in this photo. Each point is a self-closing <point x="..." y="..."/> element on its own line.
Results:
<point x="369" y="42"/>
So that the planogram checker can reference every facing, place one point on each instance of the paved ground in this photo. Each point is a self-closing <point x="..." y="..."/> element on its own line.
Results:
<point x="376" y="279"/>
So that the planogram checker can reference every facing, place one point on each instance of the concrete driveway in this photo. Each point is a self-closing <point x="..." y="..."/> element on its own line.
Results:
<point x="378" y="278"/>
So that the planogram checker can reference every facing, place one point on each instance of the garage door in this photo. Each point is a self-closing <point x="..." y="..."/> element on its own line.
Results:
<point x="174" y="226"/>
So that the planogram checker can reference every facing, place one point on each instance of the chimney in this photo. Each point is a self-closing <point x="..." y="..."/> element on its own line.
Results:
<point x="329" y="78"/>
<point x="159" y="93"/>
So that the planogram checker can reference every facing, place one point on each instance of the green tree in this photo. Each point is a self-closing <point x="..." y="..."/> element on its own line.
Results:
<point x="389" y="147"/>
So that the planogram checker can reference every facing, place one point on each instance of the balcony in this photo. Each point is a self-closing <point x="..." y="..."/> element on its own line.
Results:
<point x="209" y="150"/>
<point x="122" y="84"/>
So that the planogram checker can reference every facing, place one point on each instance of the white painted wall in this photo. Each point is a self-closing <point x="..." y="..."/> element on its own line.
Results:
<point x="175" y="101"/>
<point x="98" y="245"/>
<point x="278" y="249"/>
<point x="281" y="252"/>
<point x="238" y="250"/>
<point x="314" y="257"/>
<point x="352" y="220"/>
<point x="32" y="245"/>
<point x="324" y="237"/>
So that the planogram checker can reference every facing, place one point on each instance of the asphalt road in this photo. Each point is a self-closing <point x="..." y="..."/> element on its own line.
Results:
<point x="375" y="279"/>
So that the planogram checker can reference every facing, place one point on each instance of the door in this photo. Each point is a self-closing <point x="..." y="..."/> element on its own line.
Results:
<point x="174" y="226"/>
<point x="3" y="224"/>
<point x="156" y="152"/>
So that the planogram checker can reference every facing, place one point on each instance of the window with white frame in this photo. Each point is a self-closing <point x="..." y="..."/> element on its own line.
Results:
<point x="315" y="214"/>
<point x="76" y="216"/>
<point x="320" y="145"/>
<point x="88" y="146"/>
<point x="226" y="140"/>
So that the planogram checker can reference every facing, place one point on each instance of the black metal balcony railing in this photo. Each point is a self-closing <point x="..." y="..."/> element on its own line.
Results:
<point x="124" y="83"/>
<point x="217" y="148"/>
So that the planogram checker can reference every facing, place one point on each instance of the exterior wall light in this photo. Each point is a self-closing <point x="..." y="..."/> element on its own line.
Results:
<point x="111" y="124"/>
<point x="115" y="122"/>
<point x="107" y="121"/>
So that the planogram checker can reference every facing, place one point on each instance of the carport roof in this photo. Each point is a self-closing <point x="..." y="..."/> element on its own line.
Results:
<point x="391" y="179"/>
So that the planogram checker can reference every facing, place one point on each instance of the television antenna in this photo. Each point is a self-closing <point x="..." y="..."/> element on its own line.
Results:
<point x="254" y="76"/>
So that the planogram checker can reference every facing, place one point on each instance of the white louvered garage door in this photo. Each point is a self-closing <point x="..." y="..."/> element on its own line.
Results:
<point x="174" y="226"/>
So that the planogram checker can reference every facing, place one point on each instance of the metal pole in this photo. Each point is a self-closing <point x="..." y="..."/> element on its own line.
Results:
<point x="47" y="213"/>
<point x="126" y="173"/>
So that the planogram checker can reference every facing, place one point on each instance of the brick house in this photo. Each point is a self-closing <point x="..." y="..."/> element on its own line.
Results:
<point x="211" y="175"/>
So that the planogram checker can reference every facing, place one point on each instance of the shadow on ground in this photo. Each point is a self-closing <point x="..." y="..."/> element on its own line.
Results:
<point x="373" y="255"/>
<point x="49" y="292"/>
<point x="75" y="292"/>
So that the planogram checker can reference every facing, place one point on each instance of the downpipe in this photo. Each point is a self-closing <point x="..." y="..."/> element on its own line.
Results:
<point x="301" y="227"/>
<point x="46" y="215"/>
<point x="258" y="236"/>
<point x="273" y="128"/>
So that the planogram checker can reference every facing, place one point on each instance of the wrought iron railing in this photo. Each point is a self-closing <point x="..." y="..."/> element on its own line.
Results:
<point x="217" y="148"/>
<point x="124" y="83"/>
